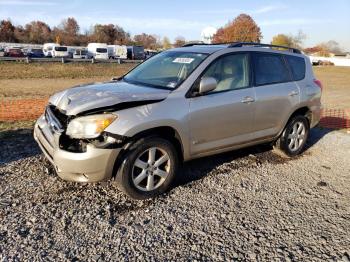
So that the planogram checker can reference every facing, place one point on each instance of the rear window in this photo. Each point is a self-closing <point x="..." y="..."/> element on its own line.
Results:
<point x="61" y="48"/>
<point x="101" y="50"/>
<point x="297" y="66"/>
<point x="270" y="69"/>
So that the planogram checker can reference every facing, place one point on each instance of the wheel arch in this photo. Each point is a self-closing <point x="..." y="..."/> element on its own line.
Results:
<point x="166" y="132"/>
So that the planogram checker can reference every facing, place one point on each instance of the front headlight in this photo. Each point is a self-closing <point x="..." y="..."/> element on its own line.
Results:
<point x="89" y="126"/>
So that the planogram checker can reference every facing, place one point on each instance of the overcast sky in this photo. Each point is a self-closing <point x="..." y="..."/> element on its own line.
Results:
<point x="319" y="20"/>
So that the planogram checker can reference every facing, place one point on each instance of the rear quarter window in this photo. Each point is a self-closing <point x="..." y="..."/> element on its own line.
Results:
<point x="270" y="69"/>
<point x="297" y="66"/>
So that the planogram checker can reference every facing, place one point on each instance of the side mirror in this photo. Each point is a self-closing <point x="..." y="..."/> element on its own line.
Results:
<point x="207" y="84"/>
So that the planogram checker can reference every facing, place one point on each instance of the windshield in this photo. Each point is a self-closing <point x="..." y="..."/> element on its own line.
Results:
<point x="61" y="48"/>
<point x="101" y="50"/>
<point x="165" y="70"/>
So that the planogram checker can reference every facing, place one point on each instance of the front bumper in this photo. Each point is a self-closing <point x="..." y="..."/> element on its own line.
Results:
<point x="94" y="165"/>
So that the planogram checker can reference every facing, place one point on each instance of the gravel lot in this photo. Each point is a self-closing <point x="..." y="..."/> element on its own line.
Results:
<point x="246" y="205"/>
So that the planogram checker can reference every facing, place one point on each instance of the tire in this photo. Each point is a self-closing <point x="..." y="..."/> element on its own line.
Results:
<point x="293" y="138"/>
<point x="138" y="177"/>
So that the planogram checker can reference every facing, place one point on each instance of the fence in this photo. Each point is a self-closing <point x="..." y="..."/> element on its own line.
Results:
<point x="32" y="108"/>
<point x="66" y="60"/>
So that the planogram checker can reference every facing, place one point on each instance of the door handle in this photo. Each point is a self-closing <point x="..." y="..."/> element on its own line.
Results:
<point x="294" y="93"/>
<point x="247" y="100"/>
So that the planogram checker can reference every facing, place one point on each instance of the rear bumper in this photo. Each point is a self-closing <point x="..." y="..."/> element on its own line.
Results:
<point x="94" y="165"/>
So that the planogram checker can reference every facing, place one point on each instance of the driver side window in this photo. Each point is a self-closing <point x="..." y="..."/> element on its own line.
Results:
<point x="231" y="72"/>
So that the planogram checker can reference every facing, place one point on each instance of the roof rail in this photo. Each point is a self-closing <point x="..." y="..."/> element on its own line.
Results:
<point x="201" y="43"/>
<point x="241" y="44"/>
<point x="194" y="43"/>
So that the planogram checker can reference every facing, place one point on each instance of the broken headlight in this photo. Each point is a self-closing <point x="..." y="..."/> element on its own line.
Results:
<point x="89" y="126"/>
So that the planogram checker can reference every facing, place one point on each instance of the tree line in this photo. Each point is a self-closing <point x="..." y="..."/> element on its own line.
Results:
<point x="243" y="28"/>
<point x="68" y="33"/>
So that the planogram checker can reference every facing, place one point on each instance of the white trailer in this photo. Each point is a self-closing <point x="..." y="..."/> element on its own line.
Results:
<point x="117" y="52"/>
<point x="48" y="48"/>
<point x="98" y="51"/>
<point x="60" y="51"/>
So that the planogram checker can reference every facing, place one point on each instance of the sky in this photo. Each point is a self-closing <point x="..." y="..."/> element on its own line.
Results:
<point x="320" y="20"/>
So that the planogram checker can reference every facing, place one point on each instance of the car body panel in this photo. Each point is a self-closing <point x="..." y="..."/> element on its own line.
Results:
<point x="99" y="95"/>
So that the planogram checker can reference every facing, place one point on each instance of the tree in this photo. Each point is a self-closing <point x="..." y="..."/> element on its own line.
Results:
<point x="333" y="47"/>
<point x="21" y="34"/>
<point x="324" y="49"/>
<point x="38" y="32"/>
<point x="67" y="32"/>
<point x="7" y="31"/>
<point x="294" y="41"/>
<point x="147" y="41"/>
<point x="110" y="34"/>
<point x="179" y="41"/>
<point x="282" y="39"/>
<point x="242" y="29"/>
<point x="166" y="43"/>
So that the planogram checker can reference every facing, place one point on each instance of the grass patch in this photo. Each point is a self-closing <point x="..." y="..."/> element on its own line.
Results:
<point x="9" y="70"/>
<point x="16" y="125"/>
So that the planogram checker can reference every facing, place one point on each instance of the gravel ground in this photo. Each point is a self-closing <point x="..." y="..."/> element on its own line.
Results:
<point x="246" y="205"/>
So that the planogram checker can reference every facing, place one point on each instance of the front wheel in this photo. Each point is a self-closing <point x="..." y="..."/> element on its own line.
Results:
<point x="148" y="168"/>
<point x="293" y="139"/>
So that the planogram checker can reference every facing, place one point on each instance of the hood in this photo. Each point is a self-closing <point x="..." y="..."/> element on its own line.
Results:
<point x="102" y="96"/>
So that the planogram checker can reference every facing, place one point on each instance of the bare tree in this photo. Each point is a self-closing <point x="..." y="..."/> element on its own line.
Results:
<point x="179" y="41"/>
<point x="7" y="31"/>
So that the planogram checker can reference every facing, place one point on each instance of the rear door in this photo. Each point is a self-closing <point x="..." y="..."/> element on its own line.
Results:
<point x="224" y="116"/>
<point x="276" y="93"/>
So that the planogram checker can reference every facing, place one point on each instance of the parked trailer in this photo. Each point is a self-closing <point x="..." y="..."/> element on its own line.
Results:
<point x="136" y="52"/>
<point x="48" y="48"/>
<point x="80" y="54"/>
<point x="98" y="51"/>
<point x="117" y="52"/>
<point x="60" y="51"/>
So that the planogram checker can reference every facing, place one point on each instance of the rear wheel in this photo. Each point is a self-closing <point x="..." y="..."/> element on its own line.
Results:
<point x="293" y="139"/>
<point x="148" y="168"/>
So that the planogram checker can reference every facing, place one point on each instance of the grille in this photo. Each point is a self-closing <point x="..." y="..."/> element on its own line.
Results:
<point x="56" y="119"/>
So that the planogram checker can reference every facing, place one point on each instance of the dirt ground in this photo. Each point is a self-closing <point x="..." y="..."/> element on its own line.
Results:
<point x="336" y="82"/>
<point x="42" y="80"/>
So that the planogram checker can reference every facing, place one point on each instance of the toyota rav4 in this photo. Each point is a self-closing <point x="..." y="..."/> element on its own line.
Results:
<point x="181" y="104"/>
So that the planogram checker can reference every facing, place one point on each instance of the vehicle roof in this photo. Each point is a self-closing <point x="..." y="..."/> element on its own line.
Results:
<point x="210" y="49"/>
<point x="206" y="49"/>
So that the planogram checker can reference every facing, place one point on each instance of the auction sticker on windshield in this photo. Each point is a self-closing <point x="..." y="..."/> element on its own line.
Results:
<point x="183" y="60"/>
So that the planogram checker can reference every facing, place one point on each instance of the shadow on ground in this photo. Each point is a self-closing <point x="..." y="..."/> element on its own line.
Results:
<point x="251" y="156"/>
<point x="17" y="144"/>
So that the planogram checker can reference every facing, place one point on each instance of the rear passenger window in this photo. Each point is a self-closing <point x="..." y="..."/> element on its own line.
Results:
<point x="297" y="65"/>
<point x="270" y="68"/>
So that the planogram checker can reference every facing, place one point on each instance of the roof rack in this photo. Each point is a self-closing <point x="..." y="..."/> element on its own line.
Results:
<point x="241" y="44"/>
<point x="195" y="43"/>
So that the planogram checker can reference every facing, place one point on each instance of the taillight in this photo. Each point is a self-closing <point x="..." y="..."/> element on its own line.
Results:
<point x="318" y="82"/>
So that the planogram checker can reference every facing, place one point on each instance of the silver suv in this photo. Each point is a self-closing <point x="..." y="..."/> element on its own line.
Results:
<point x="181" y="104"/>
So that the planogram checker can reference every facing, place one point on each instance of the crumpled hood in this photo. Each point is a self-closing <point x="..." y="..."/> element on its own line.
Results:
<point x="101" y="95"/>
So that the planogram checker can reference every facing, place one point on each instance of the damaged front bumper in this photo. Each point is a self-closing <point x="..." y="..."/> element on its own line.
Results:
<point x="92" y="165"/>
